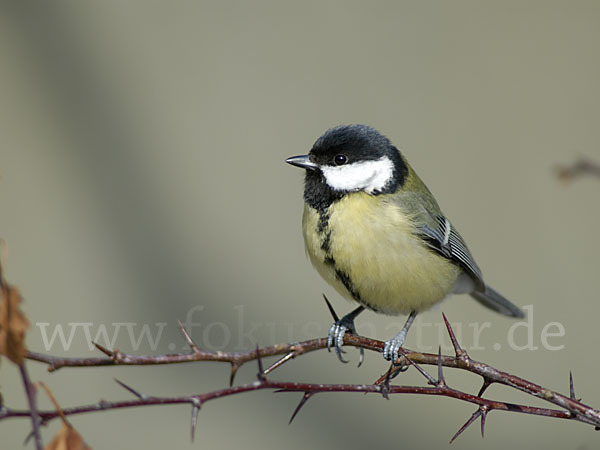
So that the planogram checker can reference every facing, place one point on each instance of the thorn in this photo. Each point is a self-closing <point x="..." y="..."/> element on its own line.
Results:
<point x="474" y="417"/>
<point x="430" y="379"/>
<point x="188" y="338"/>
<point x="385" y="386"/>
<point x="130" y="389"/>
<point x="104" y="350"/>
<point x="195" y="409"/>
<point x="484" y="412"/>
<point x="234" y="368"/>
<point x="571" y="386"/>
<point x="261" y="373"/>
<point x="486" y="384"/>
<point x="381" y="379"/>
<point x="303" y="401"/>
<point x="460" y="353"/>
<point x="331" y="310"/>
<point x="440" y="381"/>
<point x="279" y="362"/>
<point x="31" y="434"/>
<point x="396" y="370"/>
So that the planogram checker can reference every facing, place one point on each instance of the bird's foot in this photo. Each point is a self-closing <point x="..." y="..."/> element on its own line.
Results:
<point x="336" y="334"/>
<point x="335" y="338"/>
<point x="390" y="350"/>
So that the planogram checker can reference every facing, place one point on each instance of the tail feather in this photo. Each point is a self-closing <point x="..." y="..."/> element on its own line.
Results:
<point x="494" y="300"/>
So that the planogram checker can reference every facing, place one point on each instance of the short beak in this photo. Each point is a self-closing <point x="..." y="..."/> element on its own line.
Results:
<point x="303" y="162"/>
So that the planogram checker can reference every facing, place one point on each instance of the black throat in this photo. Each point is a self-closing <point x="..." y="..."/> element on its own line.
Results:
<point x="317" y="193"/>
<point x="320" y="196"/>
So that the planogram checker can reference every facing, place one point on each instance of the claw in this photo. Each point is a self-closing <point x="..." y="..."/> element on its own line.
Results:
<point x="390" y="350"/>
<point x="330" y="336"/>
<point x="337" y="331"/>
<point x="361" y="356"/>
<point x="339" y="342"/>
<point x="339" y="337"/>
<point x="339" y="352"/>
<point x="336" y="338"/>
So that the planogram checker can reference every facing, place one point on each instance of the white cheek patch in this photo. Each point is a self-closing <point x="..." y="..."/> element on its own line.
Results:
<point x="365" y="176"/>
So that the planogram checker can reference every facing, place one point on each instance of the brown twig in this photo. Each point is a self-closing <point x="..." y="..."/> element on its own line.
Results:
<point x="236" y="359"/>
<point x="291" y="350"/>
<point x="33" y="412"/>
<point x="570" y="407"/>
<point x="15" y="348"/>
<point x="286" y="386"/>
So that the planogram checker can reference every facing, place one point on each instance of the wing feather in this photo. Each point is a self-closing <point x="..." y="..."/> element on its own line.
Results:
<point x="443" y="238"/>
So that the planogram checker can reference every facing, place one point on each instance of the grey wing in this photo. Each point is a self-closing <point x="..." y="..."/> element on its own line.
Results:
<point x="443" y="238"/>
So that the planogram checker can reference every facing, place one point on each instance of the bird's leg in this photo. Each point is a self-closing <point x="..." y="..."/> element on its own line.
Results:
<point x="390" y="351"/>
<point x="339" y="328"/>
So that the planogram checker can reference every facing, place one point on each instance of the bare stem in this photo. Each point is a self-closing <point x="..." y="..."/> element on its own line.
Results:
<point x="33" y="412"/>
<point x="286" y="386"/>
<point x="568" y="406"/>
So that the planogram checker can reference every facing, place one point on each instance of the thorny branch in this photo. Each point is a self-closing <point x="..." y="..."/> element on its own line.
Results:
<point x="13" y="325"/>
<point x="569" y="407"/>
<point x="33" y="413"/>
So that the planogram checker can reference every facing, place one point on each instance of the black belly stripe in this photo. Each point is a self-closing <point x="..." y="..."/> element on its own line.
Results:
<point x="347" y="282"/>
<point x="349" y="285"/>
<point x="324" y="231"/>
<point x="323" y="221"/>
<point x="326" y="244"/>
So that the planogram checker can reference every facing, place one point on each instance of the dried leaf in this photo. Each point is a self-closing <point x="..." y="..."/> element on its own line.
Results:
<point x="13" y="324"/>
<point x="67" y="438"/>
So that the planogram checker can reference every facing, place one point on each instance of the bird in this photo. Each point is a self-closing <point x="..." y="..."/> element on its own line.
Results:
<point x="374" y="231"/>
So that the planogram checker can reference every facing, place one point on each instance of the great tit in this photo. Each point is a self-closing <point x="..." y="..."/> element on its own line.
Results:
<point x="374" y="231"/>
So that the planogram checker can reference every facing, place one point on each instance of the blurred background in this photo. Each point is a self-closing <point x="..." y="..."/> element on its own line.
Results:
<point x="142" y="181"/>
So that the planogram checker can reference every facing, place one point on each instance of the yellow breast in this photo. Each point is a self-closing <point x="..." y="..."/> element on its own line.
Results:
<point x="366" y="249"/>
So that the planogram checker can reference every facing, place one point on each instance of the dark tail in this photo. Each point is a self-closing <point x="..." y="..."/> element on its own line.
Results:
<point x="494" y="300"/>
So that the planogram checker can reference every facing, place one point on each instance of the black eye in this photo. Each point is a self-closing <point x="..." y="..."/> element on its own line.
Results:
<point x="340" y="160"/>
